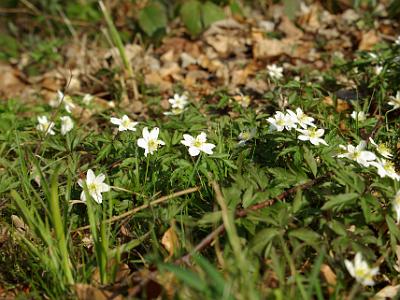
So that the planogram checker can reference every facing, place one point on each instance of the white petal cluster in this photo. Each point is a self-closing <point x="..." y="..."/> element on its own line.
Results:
<point x="301" y="118"/>
<point x="95" y="185"/>
<point x="275" y="72"/>
<point x="395" y="101"/>
<point x="197" y="144"/>
<point x="178" y="104"/>
<point x="124" y="123"/>
<point x="382" y="149"/>
<point x="150" y="142"/>
<point x="396" y="205"/>
<point x="66" y="124"/>
<point x="360" y="270"/>
<point x="358" y="154"/>
<point x="87" y="99"/>
<point x="45" y="125"/>
<point x="359" y="116"/>
<point x="246" y="136"/>
<point x="281" y="121"/>
<point x="65" y="99"/>
<point x="313" y="135"/>
<point x="386" y="168"/>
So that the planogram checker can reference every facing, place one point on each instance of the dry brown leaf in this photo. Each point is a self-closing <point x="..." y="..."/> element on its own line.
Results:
<point x="388" y="292"/>
<point x="289" y="28"/>
<point x="368" y="40"/>
<point x="170" y="241"/>
<point x="10" y="84"/>
<point x="329" y="277"/>
<point x="89" y="292"/>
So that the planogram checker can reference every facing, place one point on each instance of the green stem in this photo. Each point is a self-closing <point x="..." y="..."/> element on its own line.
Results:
<point x="194" y="170"/>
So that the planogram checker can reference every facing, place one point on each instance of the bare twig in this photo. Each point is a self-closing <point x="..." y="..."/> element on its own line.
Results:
<point x="137" y="209"/>
<point x="244" y="212"/>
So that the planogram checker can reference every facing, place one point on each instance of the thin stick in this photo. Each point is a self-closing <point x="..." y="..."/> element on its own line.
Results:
<point x="244" y="212"/>
<point x="137" y="209"/>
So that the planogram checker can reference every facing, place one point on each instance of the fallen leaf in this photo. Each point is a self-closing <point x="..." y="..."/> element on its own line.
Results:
<point x="89" y="292"/>
<point x="368" y="40"/>
<point x="329" y="277"/>
<point x="389" y="291"/>
<point x="170" y="241"/>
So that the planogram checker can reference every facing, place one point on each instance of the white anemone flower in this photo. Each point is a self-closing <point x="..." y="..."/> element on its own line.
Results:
<point x="197" y="144"/>
<point x="124" y="123"/>
<point x="246" y="136"/>
<point x="360" y="270"/>
<point x="66" y="124"/>
<point x="386" y="168"/>
<point x="65" y="99"/>
<point x="301" y="118"/>
<point x="178" y="104"/>
<point x="378" y="70"/>
<point x="397" y="41"/>
<point x="95" y="185"/>
<point x="382" y="149"/>
<point x="313" y="135"/>
<point x="358" y="154"/>
<point x="87" y="99"/>
<point x="45" y="125"/>
<point x="395" y="101"/>
<point x="396" y="206"/>
<point x="275" y="72"/>
<point x="150" y="142"/>
<point x="281" y="121"/>
<point x="359" y="116"/>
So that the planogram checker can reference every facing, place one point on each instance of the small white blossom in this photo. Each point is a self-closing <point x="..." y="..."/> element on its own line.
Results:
<point x="301" y="118"/>
<point x="245" y="136"/>
<point x="65" y="99"/>
<point x="275" y="72"/>
<point x="395" y="100"/>
<point x="396" y="205"/>
<point x="358" y="154"/>
<point x="45" y="125"/>
<point x="87" y="99"/>
<point x="281" y="121"/>
<point x="378" y="70"/>
<point x="313" y="135"/>
<point x="360" y="270"/>
<point x="382" y="149"/>
<point x="178" y="104"/>
<point x="150" y="142"/>
<point x="359" y="116"/>
<point x="197" y="144"/>
<point x="66" y="124"/>
<point x="124" y="123"/>
<point x="386" y="168"/>
<point x="397" y="41"/>
<point x="95" y="185"/>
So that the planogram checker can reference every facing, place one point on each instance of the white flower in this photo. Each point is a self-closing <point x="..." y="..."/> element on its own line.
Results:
<point x="386" y="168"/>
<point x="124" y="123"/>
<point x="197" y="144"/>
<point x="95" y="186"/>
<point x="150" y="142"/>
<point x="178" y="104"/>
<point x="359" y="116"/>
<point x="45" y="126"/>
<point x="313" y="135"/>
<point x="358" y="154"/>
<point x="87" y="99"/>
<point x="66" y="125"/>
<point x="397" y="41"/>
<point x="67" y="100"/>
<point x="382" y="149"/>
<point x="282" y="121"/>
<point x="179" y="101"/>
<point x="396" y="205"/>
<point x="395" y="102"/>
<point x="245" y="136"/>
<point x="275" y="72"/>
<point x="301" y="118"/>
<point x="378" y="70"/>
<point x="360" y="270"/>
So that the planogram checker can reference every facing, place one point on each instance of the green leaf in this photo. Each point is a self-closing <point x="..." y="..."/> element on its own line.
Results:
<point x="152" y="18"/>
<point x="187" y="276"/>
<point x="211" y="13"/>
<point x="191" y="16"/>
<point x="306" y="235"/>
<point x="337" y="202"/>
<point x="310" y="160"/>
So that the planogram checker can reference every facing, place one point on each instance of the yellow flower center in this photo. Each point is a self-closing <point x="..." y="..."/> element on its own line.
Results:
<point x="197" y="143"/>
<point x="153" y="145"/>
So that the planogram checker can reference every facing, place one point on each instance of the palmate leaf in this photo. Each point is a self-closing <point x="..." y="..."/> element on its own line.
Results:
<point x="152" y="18"/>
<point x="191" y="16"/>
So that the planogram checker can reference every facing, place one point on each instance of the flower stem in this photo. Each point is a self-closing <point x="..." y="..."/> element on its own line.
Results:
<point x="147" y="170"/>
<point x="194" y="170"/>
